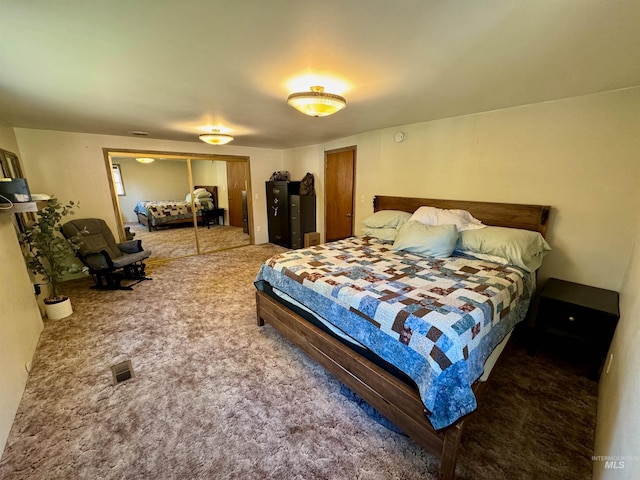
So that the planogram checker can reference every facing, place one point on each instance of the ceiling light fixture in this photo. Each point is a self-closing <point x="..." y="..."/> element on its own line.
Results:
<point x="317" y="103"/>
<point x="216" y="138"/>
<point x="145" y="160"/>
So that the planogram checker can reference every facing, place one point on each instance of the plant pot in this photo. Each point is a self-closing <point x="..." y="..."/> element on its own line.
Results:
<point x="58" y="309"/>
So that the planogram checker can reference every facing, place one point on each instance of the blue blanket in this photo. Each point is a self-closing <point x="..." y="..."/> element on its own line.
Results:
<point x="437" y="320"/>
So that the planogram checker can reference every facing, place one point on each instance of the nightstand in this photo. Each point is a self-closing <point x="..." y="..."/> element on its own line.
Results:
<point x="214" y="215"/>
<point x="575" y="317"/>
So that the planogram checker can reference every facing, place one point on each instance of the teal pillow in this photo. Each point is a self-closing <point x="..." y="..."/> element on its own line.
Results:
<point x="431" y="240"/>
<point x="386" y="219"/>
<point x="523" y="248"/>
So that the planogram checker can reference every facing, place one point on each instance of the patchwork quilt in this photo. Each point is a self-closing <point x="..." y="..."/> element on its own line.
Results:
<point x="437" y="320"/>
<point x="162" y="211"/>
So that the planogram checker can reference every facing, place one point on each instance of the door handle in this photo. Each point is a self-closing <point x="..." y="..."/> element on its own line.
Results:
<point x="348" y="214"/>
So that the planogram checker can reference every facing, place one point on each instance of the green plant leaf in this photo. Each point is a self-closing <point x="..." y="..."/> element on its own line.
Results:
<point x="47" y="250"/>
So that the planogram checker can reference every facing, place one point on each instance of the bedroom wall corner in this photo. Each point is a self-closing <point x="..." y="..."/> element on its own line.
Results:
<point x="617" y="442"/>
<point x="20" y="322"/>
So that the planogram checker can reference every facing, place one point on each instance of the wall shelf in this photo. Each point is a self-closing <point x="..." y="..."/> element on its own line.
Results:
<point x="24" y="207"/>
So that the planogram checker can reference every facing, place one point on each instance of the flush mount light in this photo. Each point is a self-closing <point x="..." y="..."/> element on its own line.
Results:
<point x="317" y="103"/>
<point x="145" y="160"/>
<point x="216" y="138"/>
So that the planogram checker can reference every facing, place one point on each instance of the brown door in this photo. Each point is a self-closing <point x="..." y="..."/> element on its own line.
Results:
<point x="339" y="174"/>
<point x="237" y="179"/>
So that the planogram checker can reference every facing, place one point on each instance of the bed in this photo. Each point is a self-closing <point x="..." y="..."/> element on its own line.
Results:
<point x="430" y="401"/>
<point x="157" y="213"/>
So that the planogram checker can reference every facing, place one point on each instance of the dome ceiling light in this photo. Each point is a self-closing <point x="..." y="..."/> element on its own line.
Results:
<point x="317" y="103"/>
<point x="216" y="138"/>
<point x="146" y="160"/>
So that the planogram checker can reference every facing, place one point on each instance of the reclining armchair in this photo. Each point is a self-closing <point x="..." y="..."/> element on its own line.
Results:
<point x="108" y="262"/>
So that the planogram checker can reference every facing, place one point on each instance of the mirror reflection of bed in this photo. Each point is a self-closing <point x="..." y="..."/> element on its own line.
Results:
<point x="157" y="207"/>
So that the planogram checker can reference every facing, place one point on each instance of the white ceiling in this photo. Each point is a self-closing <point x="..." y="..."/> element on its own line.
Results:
<point x="170" y="67"/>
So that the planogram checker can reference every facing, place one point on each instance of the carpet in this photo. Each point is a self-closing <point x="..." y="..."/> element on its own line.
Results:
<point x="180" y="240"/>
<point x="216" y="396"/>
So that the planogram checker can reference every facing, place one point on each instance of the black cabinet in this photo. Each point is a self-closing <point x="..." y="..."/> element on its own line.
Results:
<point x="302" y="212"/>
<point x="290" y="214"/>
<point x="576" y="318"/>
<point x="278" y="193"/>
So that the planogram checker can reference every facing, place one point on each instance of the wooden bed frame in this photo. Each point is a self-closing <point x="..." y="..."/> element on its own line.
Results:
<point x="390" y="396"/>
<point x="144" y="220"/>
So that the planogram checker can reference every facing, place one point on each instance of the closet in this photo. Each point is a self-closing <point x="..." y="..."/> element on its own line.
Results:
<point x="168" y="180"/>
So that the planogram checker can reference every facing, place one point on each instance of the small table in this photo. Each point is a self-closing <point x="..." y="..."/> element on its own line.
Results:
<point x="214" y="215"/>
<point x="580" y="316"/>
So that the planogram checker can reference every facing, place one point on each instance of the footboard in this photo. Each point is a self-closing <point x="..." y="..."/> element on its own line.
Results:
<point x="390" y="396"/>
<point x="148" y="222"/>
<point x="144" y="220"/>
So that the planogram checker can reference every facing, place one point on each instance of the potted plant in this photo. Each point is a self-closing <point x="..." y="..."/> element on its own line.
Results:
<point x="47" y="254"/>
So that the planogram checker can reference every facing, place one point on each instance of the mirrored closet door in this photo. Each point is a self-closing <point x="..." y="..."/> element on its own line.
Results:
<point x="177" y="205"/>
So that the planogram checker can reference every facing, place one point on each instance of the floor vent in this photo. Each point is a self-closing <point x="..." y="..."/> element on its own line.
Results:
<point x="122" y="372"/>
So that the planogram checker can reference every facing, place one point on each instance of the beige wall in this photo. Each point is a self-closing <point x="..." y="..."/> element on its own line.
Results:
<point x="71" y="166"/>
<point x="579" y="155"/>
<point x="618" y="428"/>
<point x="20" y="321"/>
<point x="160" y="180"/>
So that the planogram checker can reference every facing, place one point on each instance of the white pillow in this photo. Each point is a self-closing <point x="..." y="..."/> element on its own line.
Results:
<point x="201" y="193"/>
<point x="198" y="193"/>
<point x="462" y="219"/>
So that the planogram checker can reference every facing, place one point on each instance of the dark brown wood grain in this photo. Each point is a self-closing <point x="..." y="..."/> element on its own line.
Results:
<point x="339" y="170"/>
<point x="513" y="215"/>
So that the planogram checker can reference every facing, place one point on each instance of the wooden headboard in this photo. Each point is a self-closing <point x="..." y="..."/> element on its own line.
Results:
<point x="213" y="190"/>
<point x="514" y="215"/>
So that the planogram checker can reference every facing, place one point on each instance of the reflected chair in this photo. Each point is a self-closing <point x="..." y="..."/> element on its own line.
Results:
<point x="108" y="262"/>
